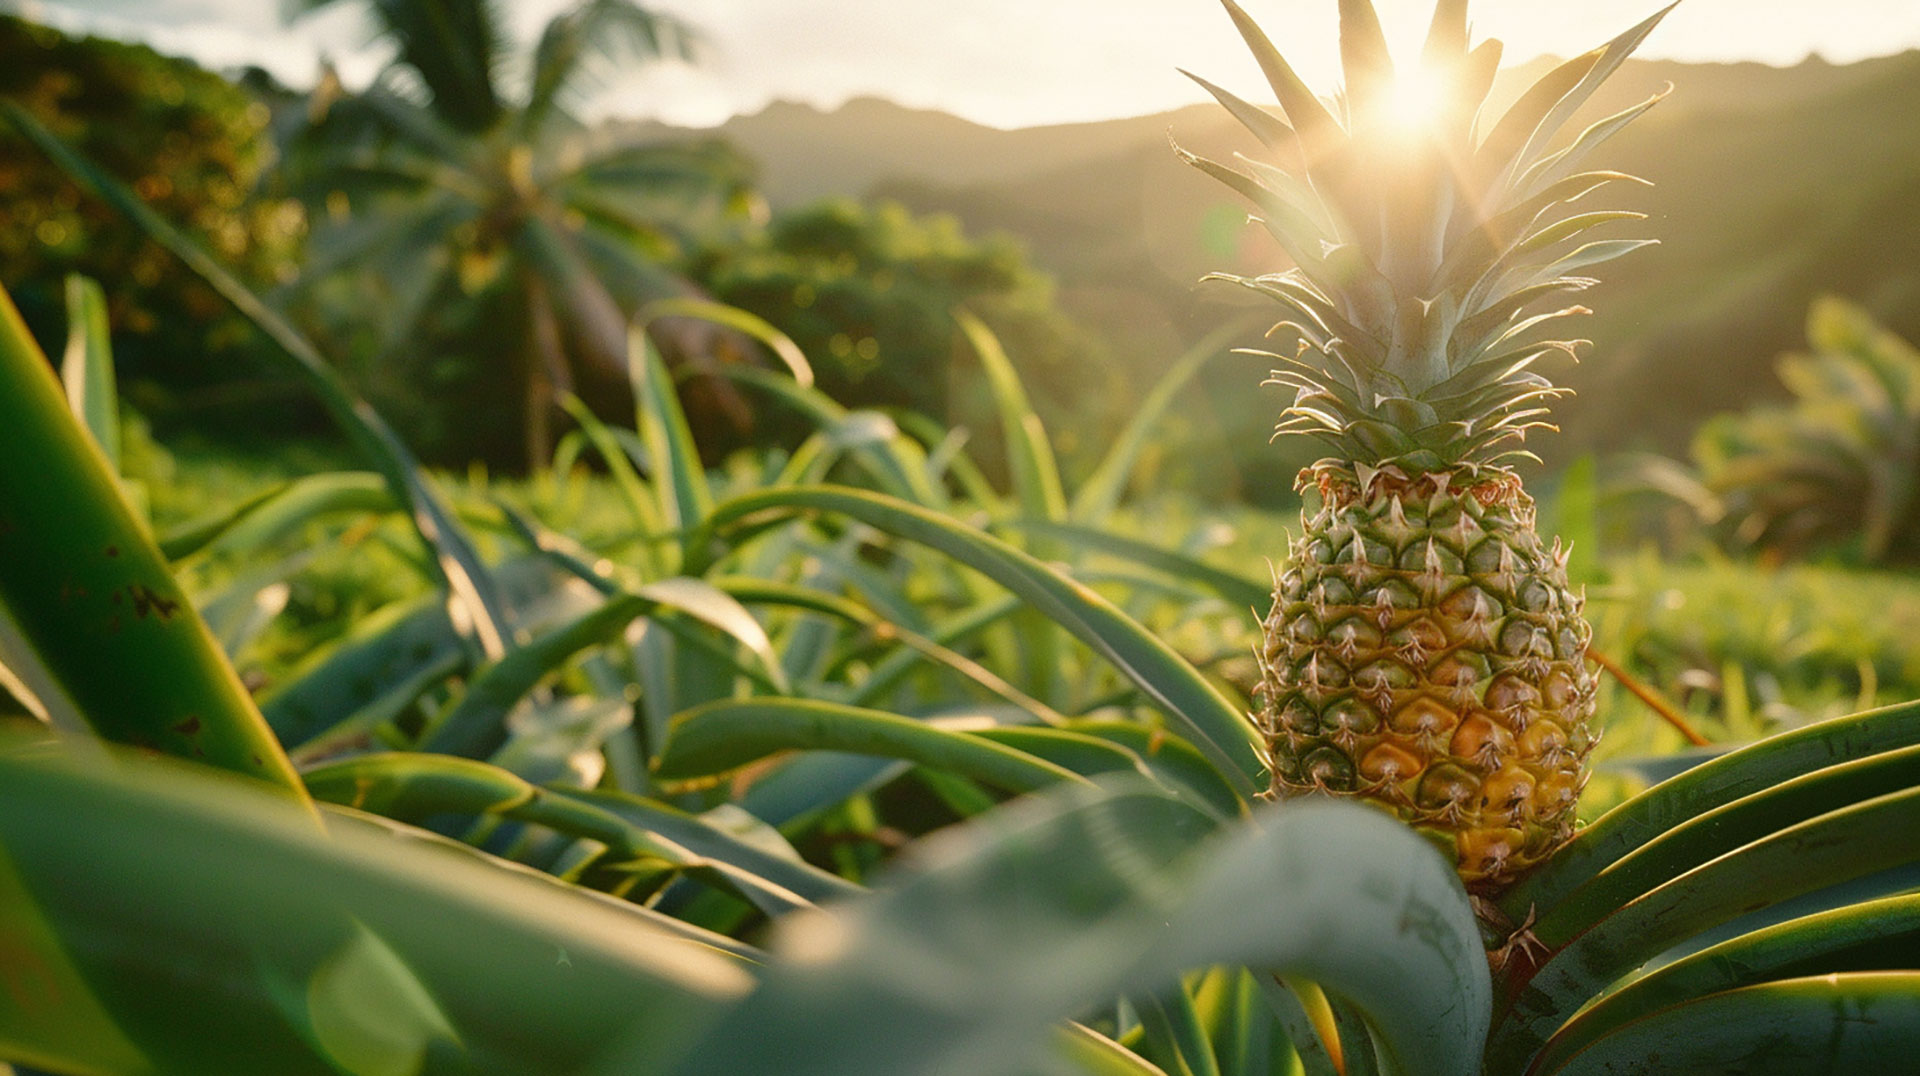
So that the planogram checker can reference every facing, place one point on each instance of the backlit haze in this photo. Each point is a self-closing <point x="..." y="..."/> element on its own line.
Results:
<point x="1007" y="63"/>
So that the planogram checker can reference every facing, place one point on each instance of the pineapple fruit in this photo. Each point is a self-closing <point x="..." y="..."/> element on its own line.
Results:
<point x="1425" y="652"/>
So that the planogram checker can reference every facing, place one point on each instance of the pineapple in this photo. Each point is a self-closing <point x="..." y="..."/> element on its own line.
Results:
<point x="1425" y="652"/>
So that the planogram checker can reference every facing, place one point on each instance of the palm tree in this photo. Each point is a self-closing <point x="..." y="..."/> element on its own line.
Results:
<point x="450" y="194"/>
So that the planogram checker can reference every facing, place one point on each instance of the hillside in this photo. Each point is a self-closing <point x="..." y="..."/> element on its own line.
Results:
<point x="808" y="153"/>
<point x="1772" y="186"/>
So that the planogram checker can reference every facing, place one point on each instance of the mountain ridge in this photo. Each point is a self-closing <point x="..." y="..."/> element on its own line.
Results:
<point x="1772" y="186"/>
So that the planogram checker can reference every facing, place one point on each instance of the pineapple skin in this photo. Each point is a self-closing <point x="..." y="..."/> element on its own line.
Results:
<point x="1426" y="654"/>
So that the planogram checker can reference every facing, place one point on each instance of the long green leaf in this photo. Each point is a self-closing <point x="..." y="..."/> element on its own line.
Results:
<point x="90" y="616"/>
<point x="1838" y="846"/>
<point x="1880" y="935"/>
<point x="246" y="924"/>
<point x="742" y="321"/>
<point x="1723" y="830"/>
<point x="646" y="514"/>
<point x="384" y="650"/>
<point x="678" y="475"/>
<point x="1246" y="1039"/>
<point x="1712" y="784"/>
<point x="1214" y="725"/>
<point x="1100" y="495"/>
<point x="87" y="367"/>
<point x="1088" y="756"/>
<point x="1093" y="1054"/>
<point x="414" y="787"/>
<point x="1036" y="476"/>
<point x="899" y="465"/>
<point x="723" y="736"/>
<point x="1173" y="1032"/>
<point x="1237" y="589"/>
<point x="1173" y="761"/>
<point x="1858" y="1023"/>
<point x="756" y="591"/>
<point x="1028" y="916"/>
<point x="397" y="645"/>
<point x="457" y="562"/>
<point x="271" y="516"/>
<point x="783" y="867"/>
<point x="475" y="725"/>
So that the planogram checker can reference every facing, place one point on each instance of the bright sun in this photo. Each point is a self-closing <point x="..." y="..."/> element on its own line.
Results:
<point x="1414" y="100"/>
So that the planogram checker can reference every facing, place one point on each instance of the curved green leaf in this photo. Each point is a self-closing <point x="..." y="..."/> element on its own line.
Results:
<point x="897" y="463"/>
<point x="1214" y="725"/>
<point x="1711" y="784"/>
<point x="1100" y="494"/>
<point x="1722" y="830"/>
<point x="1036" y="476"/>
<point x="213" y="961"/>
<point x="86" y="368"/>
<point x="1023" y="918"/>
<point x="1880" y="935"/>
<point x="646" y="515"/>
<point x="1173" y="761"/>
<point x="783" y="867"/>
<point x="732" y="317"/>
<point x="1844" y="844"/>
<point x="726" y="735"/>
<point x="1236" y="589"/>
<point x="1863" y="1022"/>
<point x="91" y="618"/>
<point x="413" y="787"/>
<point x="475" y="725"/>
<point x="1088" y="756"/>
<point x="457" y="562"/>
<point x="384" y="651"/>
<point x="679" y="478"/>
<point x="763" y="592"/>
<point x="271" y="516"/>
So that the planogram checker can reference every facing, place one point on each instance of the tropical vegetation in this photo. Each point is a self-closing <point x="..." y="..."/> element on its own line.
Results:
<point x="1835" y="465"/>
<point x="460" y="210"/>
<point x="875" y="752"/>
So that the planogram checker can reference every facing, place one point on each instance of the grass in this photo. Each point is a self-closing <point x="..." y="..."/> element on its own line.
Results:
<point x="1742" y="648"/>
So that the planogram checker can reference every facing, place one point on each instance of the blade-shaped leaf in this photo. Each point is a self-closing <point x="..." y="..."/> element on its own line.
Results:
<point x="242" y="904"/>
<point x="87" y="367"/>
<point x="476" y="724"/>
<point x="94" y="621"/>
<point x="1881" y="935"/>
<point x="466" y="577"/>
<point x="1863" y="1022"/>
<point x="1711" y="784"/>
<point x="1020" y="920"/>
<point x="1101" y="493"/>
<point x="742" y="321"/>
<point x="1838" y="846"/>
<point x="723" y="736"/>
<point x="1214" y="725"/>
<point x="1036" y="476"/>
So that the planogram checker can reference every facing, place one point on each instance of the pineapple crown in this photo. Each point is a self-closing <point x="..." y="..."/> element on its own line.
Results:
<point x="1422" y="252"/>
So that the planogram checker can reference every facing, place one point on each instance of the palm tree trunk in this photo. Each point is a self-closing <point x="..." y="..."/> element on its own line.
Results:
<point x="547" y="374"/>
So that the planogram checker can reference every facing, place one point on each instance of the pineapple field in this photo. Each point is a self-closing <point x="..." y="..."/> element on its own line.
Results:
<point x="482" y="590"/>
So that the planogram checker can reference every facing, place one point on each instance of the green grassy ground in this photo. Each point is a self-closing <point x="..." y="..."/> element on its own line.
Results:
<point x="1739" y="648"/>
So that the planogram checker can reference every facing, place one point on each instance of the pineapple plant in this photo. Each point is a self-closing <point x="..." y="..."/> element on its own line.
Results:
<point x="1424" y="652"/>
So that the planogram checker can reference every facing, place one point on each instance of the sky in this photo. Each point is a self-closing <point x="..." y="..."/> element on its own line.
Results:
<point x="1007" y="63"/>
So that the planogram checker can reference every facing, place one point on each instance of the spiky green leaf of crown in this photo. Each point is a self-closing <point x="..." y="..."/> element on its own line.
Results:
<point x="1423" y="256"/>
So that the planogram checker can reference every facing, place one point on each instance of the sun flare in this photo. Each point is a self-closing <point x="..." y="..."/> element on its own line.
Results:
<point x="1414" y="100"/>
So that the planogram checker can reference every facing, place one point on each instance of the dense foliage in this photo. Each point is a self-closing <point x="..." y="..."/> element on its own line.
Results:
<point x="1841" y="462"/>
<point x="885" y="751"/>
<point x="477" y="252"/>
<point x="869" y="291"/>
<point x="192" y="144"/>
